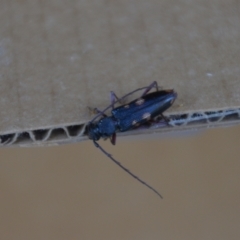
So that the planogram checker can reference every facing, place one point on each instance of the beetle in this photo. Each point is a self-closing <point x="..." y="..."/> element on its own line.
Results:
<point x="134" y="114"/>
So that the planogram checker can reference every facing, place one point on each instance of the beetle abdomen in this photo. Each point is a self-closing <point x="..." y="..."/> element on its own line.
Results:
<point x="141" y="110"/>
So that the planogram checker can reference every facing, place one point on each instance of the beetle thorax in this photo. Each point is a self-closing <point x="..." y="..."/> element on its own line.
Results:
<point x="107" y="126"/>
<point x="104" y="128"/>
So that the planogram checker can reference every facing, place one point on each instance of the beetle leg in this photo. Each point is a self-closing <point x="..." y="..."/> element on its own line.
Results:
<point x="113" y="139"/>
<point x="152" y="85"/>
<point x="96" y="110"/>
<point x="90" y="110"/>
<point x="114" y="98"/>
<point x="167" y="120"/>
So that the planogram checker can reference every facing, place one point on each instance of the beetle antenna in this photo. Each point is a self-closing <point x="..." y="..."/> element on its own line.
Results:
<point x="126" y="170"/>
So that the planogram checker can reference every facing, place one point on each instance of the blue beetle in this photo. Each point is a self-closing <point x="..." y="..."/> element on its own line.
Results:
<point x="128" y="116"/>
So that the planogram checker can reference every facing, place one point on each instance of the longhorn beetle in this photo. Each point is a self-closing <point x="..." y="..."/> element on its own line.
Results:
<point x="128" y="116"/>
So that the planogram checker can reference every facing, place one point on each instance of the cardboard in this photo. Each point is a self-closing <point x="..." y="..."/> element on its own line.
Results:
<point x="56" y="59"/>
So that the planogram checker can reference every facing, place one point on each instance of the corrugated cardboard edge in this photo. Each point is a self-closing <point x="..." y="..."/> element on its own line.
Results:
<point x="76" y="133"/>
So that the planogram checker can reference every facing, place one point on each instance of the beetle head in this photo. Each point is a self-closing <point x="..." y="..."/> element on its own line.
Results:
<point x="92" y="131"/>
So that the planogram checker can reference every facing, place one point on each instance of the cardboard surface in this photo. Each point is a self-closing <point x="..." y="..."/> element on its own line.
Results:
<point x="57" y="58"/>
<point x="75" y="192"/>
